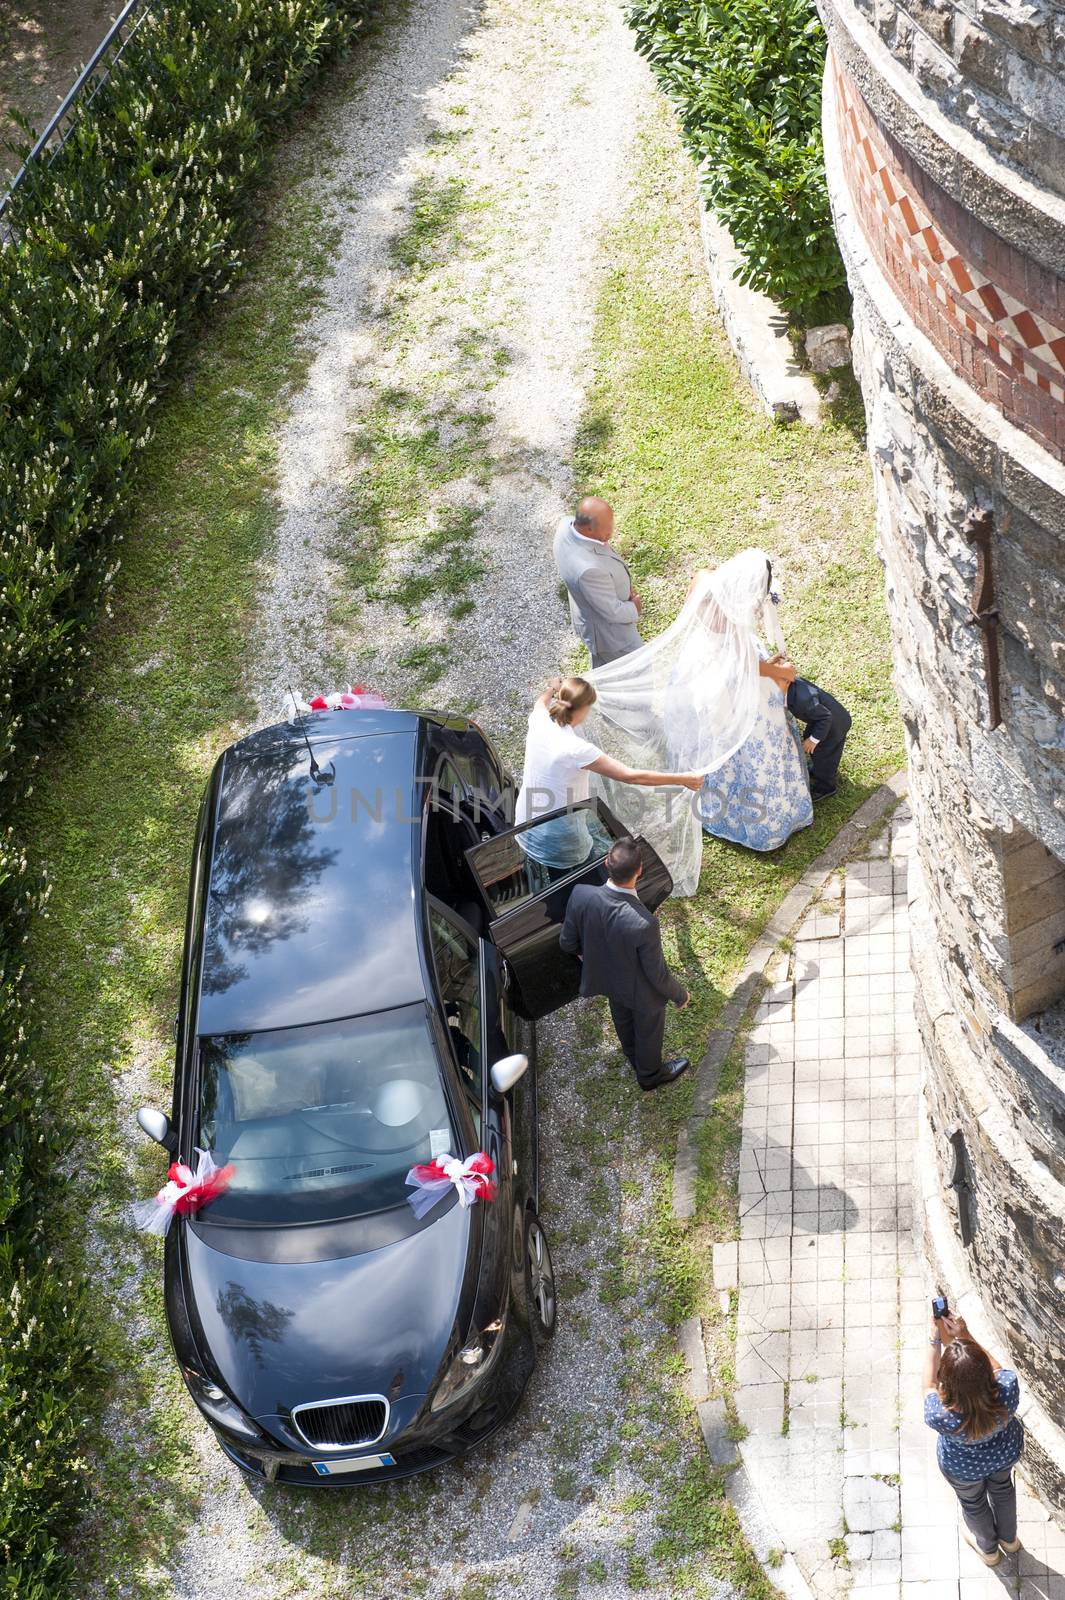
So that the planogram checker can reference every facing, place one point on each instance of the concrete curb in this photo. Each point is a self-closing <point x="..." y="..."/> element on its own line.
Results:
<point x="754" y="1518"/>
<point x="757" y="330"/>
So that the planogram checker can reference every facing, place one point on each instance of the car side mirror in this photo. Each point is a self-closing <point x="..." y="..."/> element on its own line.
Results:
<point x="157" y="1126"/>
<point x="505" y="1073"/>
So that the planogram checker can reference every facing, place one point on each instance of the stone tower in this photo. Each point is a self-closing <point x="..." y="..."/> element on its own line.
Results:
<point x="944" y="126"/>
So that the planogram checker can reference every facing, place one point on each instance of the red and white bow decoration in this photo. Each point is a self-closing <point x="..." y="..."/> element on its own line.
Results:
<point x="356" y="697"/>
<point x="183" y="1192"/>
<point x="432" y="1180"/>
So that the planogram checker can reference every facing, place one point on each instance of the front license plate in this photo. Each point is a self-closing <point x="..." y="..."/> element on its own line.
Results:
<point x="329" y="1469"/>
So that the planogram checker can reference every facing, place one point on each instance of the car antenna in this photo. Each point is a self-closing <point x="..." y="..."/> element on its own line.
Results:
<point x="322" y="778"/>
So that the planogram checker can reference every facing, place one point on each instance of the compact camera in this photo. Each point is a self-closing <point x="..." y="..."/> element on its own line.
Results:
<point x="939" y="1306"/>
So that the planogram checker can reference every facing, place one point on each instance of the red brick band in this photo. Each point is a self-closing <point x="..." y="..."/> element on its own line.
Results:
<point x="1005" y="342"/>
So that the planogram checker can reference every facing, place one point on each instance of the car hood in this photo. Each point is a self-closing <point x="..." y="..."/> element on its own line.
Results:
<point x="281" y="1334"/>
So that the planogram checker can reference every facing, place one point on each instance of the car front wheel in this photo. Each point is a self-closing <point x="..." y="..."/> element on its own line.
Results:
<point x="540" y="1293"/>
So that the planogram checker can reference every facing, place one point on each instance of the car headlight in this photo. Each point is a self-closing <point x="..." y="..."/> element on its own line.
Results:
<point x="218" y="1407"/>
<point x="470" y="1364"/>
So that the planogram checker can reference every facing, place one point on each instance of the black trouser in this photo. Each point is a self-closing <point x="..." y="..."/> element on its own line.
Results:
<point x="989" y="1506"/>
<point x="824" y="763"/>
<point x="640" y="1034"/>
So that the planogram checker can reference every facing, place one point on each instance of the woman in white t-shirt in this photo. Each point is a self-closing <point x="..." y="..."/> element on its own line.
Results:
<point x="557" y="772"/>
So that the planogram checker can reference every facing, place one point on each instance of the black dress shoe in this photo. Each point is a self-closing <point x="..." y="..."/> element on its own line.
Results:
<point x="668" y="1073"/>
<point x="821" y="794"/>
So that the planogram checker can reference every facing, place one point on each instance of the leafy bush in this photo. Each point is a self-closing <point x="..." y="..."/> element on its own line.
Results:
<point x="137" y="227"/>
<point x="745" y="76"/>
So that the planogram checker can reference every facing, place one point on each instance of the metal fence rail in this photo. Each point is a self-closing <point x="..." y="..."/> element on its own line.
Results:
<point x="90" y="80"/>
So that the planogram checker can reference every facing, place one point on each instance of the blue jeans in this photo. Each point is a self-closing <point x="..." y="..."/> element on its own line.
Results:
<point x="989" y="1507"/>
<point x="562" y="843"/>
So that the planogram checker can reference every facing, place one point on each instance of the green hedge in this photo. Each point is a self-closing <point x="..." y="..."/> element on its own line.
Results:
<point x="137" y="227"/>
<point x="745" y="76"/>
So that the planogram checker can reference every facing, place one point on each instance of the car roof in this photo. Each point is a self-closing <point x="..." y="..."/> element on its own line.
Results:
<point x="311" y="910"/>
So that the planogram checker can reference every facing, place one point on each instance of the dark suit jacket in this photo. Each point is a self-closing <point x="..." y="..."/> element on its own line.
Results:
<point x="621" y="946"/>
<point x="804" y="701"/>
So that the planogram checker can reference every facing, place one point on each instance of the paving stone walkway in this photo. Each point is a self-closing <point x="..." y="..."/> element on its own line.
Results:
<point x="833" y="1300"/>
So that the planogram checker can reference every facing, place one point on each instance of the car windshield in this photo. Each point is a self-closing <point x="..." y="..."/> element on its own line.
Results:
<point x="321" y="1122"/>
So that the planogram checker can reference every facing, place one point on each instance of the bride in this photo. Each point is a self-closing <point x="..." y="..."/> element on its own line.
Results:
<point x="708" y="695"/>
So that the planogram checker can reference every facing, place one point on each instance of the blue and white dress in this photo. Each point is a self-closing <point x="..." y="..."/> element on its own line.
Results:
<point x="761" y="796"/>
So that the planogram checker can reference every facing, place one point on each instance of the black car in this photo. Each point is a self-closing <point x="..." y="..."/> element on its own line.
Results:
<point x="367" y="949"/>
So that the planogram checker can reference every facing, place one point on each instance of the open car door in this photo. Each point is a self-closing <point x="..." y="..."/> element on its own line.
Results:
<point x="526" y="903"/>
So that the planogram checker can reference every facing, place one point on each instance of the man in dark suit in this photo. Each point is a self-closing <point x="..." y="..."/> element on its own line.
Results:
<point x="826" y="724"/>
<point x="620" y="947"/>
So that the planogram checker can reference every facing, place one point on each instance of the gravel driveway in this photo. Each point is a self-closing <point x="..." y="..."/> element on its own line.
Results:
<point x="524" y="115"/>
<point x="532" y="109"/>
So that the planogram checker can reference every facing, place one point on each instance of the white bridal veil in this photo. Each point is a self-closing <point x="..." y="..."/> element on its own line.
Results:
<point x="685" y="702"/>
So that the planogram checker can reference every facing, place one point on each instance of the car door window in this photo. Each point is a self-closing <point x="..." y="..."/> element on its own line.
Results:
<point x="472" y="795"/>
<point x="458" y="977"/>
<point x="515" y="1030"/>
<point x="485" y="783"/>
<point x="526" y="900"/>
<point x="448" y="834"/>
<point x="508" y="867"/>
<point x="448" y="787"/>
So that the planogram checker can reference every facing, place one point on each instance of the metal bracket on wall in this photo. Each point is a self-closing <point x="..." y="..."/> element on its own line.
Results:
<point x="959" y="1182"/>
<point x="977" y="529"/>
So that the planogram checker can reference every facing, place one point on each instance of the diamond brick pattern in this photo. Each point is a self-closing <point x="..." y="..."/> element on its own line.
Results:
<point x="1010" y="351"/>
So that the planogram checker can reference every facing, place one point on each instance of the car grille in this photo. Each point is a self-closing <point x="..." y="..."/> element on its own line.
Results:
<point x="342" y="1424"/>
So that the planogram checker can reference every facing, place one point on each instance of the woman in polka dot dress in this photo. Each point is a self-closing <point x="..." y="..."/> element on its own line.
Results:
<point x="971" y="1401"/>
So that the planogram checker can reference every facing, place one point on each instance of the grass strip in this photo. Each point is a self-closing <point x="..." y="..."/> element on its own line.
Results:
<point x="112" y="819"/>
<point x="118" y="244"/>
<point x="695" y="472"/>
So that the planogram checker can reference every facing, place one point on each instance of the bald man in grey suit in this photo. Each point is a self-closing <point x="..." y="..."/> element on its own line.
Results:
<point x="603" y="604"/>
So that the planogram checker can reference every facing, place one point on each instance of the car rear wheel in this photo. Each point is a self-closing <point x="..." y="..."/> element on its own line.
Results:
<point x="540" y="1293"/>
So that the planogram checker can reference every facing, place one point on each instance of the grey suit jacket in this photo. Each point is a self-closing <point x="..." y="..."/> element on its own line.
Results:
<point x="620" y="944"/>
<point x="599" y="587"/>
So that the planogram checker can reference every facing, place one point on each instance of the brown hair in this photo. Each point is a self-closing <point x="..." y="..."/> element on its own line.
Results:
<point x="967" y="1385"/>
<point x="567" y="696"/>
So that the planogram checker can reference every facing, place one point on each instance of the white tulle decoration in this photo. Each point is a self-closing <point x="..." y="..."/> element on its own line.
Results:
<point x="184" y="1191"/>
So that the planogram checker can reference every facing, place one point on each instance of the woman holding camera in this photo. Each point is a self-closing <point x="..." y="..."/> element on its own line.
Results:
<point x="971" y="1401"/>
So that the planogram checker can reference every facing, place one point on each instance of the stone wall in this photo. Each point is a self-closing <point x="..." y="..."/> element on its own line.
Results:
<point x="957" y="266"/>
<point x="991" y="66"/>
<point x="1034" y="883"/>
<point x="1012" y="1268"/>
